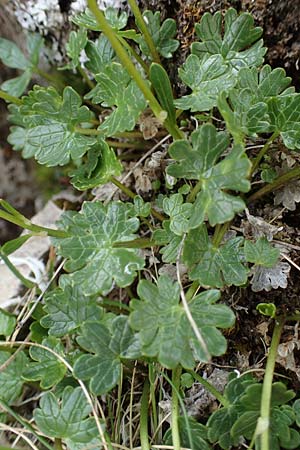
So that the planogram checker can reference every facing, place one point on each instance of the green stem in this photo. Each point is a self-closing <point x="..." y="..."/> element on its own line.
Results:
<point x="117" y="433"/>
<point x="131" y="69"/>
<point x="210" y="388"/>
<point x="135" y="243"/>
<point x="264" y="419"/>
<point x="263" y="151"/>
<point x="134" y="54"/>
<point x="88" y="131"/>
<point x="276" y="184"/>
<point x="220" y="231"/>
<point x="15" y="271"/>
<point x="176" y="374"/>
<point x="58" y="444"/>
<point x="144" y="417"/>
<point x="50" y="77"/>
<point x="24" y="423"/>
<point x="27" y="225"/>
<point x="295" y="317"/>
<point x="114" y="305"/>
<point x="152" y="377"/>
<point x="10" y="98"/>
<point x="192" y="290"/>
<point x="144" y="29"/>
<point x="85" y="76"/>
<point x="123" y="188"/>
<point x="192" y="195"/>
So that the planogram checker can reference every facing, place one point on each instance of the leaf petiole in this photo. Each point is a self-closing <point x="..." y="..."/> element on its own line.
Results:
<point x="10" y="98"/>
<point x="210" y="388"/>
<point x="27" y="225"/>
<point x="276" y="184"/>
<point x="144" y="417"/>
<point x="266" y="395"/>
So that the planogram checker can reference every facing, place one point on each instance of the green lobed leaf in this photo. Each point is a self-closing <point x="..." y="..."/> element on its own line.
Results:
<point x="102" y="367"/>
<point x="89" y="249"/>
<point x="162" y="34"/>
<point x="16" y="86"/>
<point x="99" y="54"/>
<point x="100" y="166"/>
<point x="198" y="161"/>
<point x="246" y="111"/>
<point x="35" y="43"/>
<point x="194" y="158"/>
<point x="76" y="43"/>
<point x="221" y="421"/>
<point x="171" y="241"/>
<point x="7" y="323"/>
<point x="47" y="368"/>
<point x="116" y="88"/>
<point x="117" y="19"/>
<point x="66" y="417"/>
<point x="67" y="309"/>
<point x="261" y="252"/>
<point x="11" y="381"/>
<point x="207" y="78"/>
<point x="296" y="408"/>
<point x="284" y="112"/>
<point x="228" y="425"/>
<point x="239" y="46"/>
<point x="141" y="208"/>
<point x="214" y="266"/>
<point x="49" y="126"/>
<point x="12" y="56"/>
<point x="178" y="212"/>
<point x="164" y="330"/>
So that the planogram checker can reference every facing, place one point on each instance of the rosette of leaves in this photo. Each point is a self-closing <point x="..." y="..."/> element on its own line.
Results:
<point x="197" y="160"/>
<point x="214" y="266"/>
<point x="106" y="347"/>
<point x="238" y="419"/>
<point x="12" y="57"/>
<point x="91" y="256"/>
<point x="164" y="330"/>
<point x="115" y="88"/>
<point x="46" y="126"/>
<point x="247" y="112"/>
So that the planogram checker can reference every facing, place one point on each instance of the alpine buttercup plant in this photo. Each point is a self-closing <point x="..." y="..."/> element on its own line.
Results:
<point x="116" y="319"/>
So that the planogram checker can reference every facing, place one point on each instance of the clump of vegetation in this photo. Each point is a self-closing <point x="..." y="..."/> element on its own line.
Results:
<point x="121" y="326"/>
